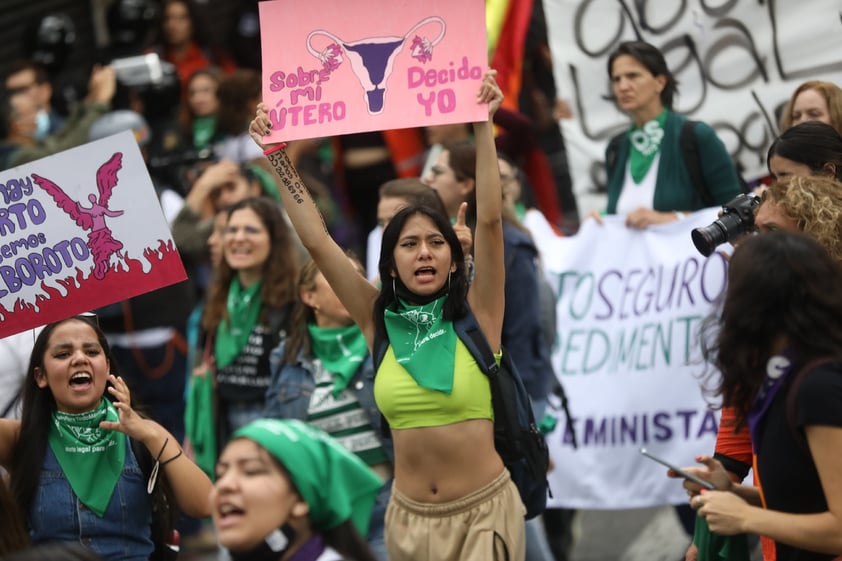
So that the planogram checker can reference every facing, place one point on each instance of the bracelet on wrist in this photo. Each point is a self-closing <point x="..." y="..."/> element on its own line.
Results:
<point x="275" y="148"/>
<point x="177" y="456"/>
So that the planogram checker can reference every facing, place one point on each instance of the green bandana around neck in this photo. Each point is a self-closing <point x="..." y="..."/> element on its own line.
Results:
<point x="91" y="458"/>
<point x="424" y="343"/>
<point x="232" y="334"/>
<point x="335" y="483"/>
<point x="645" y="145"/>
<point x="203" y="129"/>
<point x="341" y="350"/>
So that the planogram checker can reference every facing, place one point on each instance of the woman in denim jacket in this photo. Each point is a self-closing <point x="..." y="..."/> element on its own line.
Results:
<point x="75" y="456"/>
<point x="322" y="374"/>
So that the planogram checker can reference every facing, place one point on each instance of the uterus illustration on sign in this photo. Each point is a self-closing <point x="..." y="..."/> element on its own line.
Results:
<point x="372" y="59"/>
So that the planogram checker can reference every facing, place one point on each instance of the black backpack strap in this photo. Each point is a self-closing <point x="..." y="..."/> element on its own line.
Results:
<point x="612" y="150"/>
<point x="502" y="397"/>
<point x="692" y="159"/>
<point x="378" y="348"/>
<point x="470" y="333"/>
<point x="378" y="351"/>
<point x="558" y="391"/>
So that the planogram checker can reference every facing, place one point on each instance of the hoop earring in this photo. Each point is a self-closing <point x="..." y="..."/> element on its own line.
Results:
<point x="394" y="290"/>
<point x="449" y="274"/>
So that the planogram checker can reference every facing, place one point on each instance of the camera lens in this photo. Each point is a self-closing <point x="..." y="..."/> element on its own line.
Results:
<point x="736" y="219"/>
<point x="708" y="238"/>
<point x="730" y="226"/>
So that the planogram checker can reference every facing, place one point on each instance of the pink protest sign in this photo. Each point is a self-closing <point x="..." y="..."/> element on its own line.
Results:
<point x="337" y="67"/>
<point x="80" y="230"/>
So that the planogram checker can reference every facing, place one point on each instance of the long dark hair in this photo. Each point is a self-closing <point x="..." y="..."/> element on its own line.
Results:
<point x="455" y="305"/>
<point x="198" y="25"/>
<point x="347" y="541"/>
<point x="14" y="536"/>
<point x="279" y="270"/>
<point x="782" y="286"/>
<point x="814" y="144"/>
<point x="38" y="405"/>
<point x="237" y="93"/>
<point x="653" y="60"/>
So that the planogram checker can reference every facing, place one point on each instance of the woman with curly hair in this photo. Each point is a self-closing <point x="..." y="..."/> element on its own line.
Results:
<point x="248" y="307"/>
<point x="812" y="205"/>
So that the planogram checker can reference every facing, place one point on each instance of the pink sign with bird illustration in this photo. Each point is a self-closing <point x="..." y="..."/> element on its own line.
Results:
<point x="80" y="230"/>
<point x="337" y="67"/>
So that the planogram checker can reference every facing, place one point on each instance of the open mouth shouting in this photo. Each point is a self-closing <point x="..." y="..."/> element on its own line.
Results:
<point x="81" y="381"/>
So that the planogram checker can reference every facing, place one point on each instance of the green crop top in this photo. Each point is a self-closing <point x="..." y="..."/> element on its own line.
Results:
<point x="406" y="405"/>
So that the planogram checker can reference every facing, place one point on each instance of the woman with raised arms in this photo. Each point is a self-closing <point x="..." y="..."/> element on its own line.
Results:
<point x="452" y="497"/>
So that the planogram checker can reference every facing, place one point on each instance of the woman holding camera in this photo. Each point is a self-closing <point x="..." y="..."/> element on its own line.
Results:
<point x="809" y="204"/>
<point x="649" y="178"/>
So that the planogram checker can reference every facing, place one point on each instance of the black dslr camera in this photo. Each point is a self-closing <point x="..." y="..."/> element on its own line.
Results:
<point x="737" y="219"/>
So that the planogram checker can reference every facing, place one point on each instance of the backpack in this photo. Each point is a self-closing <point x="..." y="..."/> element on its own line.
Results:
<point x="163" y="533"/>
<point x="516" y="436"/>
<point x="692" y="159"/>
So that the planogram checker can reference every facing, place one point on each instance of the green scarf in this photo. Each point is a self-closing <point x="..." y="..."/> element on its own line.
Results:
<point x="91" y="458"/>
<point x="645" y="145"/>
<point x="424" y="343"/>
<point x="713" y="547"/>
<point x="199" y="422"/>
<point x="341" y="350"/>
<point x="335" y="483"/>
<point x="203" y="129"/>
<point x="232" y="334"/>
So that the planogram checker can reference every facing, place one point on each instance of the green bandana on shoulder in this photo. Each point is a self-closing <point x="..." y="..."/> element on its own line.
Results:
<point x="244" y="305"/>
<point x="341" y="350"/>
<point x="645" y="145"/>
<point x="424" y="343"/>
<point x="91" y="458"/>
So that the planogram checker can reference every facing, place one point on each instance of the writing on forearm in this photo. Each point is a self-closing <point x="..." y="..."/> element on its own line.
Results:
<point x="291" y="180"/>
<point x="280" y="161"/>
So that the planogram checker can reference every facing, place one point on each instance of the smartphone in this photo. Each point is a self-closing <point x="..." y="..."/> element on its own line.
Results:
<point x="706" y="484"/>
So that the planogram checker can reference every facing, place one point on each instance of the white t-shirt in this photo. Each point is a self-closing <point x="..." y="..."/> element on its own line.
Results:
<point x="637" y="195"/>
